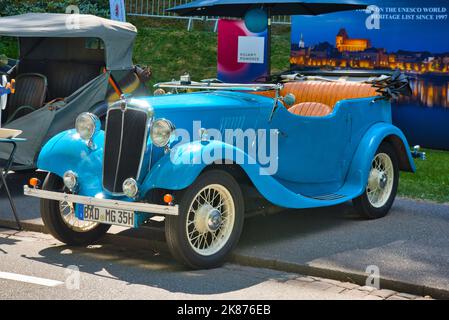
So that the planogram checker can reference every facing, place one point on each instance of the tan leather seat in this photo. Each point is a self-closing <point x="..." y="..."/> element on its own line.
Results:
<point x="318" y="98"/>
<point x="328" y="93"/>
<point x="310" y="109"/>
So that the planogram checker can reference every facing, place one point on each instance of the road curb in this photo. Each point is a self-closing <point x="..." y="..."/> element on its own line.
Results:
<point x="339" y="275"/>
<point x="26" y="226"/>
<point x="251" y="261"/>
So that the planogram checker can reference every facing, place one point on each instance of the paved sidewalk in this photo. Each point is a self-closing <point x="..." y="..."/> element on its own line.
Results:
<point x="410" y="246"/>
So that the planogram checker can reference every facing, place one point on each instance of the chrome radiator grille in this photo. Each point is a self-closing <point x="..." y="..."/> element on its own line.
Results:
<point x="125" y="141"/>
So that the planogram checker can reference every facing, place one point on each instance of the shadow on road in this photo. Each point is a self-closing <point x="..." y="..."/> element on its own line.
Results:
<point x="5" y="242"/>
<point x="150" y="268"/>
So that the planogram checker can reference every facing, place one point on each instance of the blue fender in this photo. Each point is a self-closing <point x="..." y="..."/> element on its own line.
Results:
<point x="361" y="162"/>
<point x="67" y="151"/>
<point x="179" y="169"/>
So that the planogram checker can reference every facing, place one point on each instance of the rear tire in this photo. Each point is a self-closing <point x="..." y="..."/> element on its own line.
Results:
<point x="210" y="221"/>
<point x="382" y="185"/>
<point x="68" y="230"/>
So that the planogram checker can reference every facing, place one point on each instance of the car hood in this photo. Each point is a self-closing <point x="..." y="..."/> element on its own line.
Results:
<point x="201" y="101"/>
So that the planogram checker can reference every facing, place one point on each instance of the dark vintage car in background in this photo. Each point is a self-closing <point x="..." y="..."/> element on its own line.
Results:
<point x="67" y="64"/>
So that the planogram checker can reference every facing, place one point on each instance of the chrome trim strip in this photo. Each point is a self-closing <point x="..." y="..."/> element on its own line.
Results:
<point x="120" y="148"/>
<point x="104" y="146"/>
<point x="104" y="203"/>
<point x="219" y="86"/>
<point x="144" y="145"/>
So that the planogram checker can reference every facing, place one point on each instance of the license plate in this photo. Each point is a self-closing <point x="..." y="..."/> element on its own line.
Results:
<point x="105" y="215"/>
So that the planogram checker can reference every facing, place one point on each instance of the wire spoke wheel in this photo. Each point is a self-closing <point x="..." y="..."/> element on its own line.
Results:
<point x="210" y="219"/>
<point x="382" y="186"/>
<point x="60" y="219"/>
<point x="67" y="211"/>
<point x="380" y="181"/>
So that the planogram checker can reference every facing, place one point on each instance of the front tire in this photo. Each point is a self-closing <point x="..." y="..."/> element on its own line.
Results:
<point x="382" y="185"/>
<point x="210" y="221"/>
<point x="59" y="218"/>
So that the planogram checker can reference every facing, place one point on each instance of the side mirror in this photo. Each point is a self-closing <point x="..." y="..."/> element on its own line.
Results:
<point x="289" y="99"/>
<point x="3" y="98"/>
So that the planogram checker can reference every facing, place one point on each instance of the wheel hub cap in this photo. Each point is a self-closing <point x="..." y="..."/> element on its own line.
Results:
<point x="214" y="220"/>
<point x="377" y="179"/>
<point x="207" y="219"/>
<point x="383" y="179"/>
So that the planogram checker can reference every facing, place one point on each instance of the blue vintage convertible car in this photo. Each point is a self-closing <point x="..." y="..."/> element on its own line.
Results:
<point x="205" y="160"/>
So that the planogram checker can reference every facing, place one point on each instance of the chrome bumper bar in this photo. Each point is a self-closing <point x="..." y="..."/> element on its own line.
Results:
<point x="104" y="203"/>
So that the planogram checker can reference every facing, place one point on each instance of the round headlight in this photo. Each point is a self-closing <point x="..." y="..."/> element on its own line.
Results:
<point x="130" y="188"/>
<point x="70" y="180"/>
<point x="87" y="124"/>
<point x="162" y="132"/>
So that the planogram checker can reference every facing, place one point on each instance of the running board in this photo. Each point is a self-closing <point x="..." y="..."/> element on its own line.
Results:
<point x="328" y="197"/>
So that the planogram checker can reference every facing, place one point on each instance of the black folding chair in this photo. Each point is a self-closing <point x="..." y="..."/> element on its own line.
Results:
<point x="4" y="170"/>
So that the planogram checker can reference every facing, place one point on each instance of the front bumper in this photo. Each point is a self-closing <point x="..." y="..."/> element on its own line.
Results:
<point x="104" y="203"/>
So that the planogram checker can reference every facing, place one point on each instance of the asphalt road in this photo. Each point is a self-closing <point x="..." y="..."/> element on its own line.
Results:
<point x="35" y="266"/>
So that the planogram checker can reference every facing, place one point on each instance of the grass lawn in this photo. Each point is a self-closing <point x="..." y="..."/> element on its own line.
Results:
<point x="431" y="180"/>
<point x="170" y="50"/>
<point x="8" y="48"/>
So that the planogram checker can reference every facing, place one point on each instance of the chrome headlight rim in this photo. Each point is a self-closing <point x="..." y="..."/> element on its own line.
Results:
<point x="130" y="188"/>
<point x="87" y="125"/>
<point x="165" y="139"/>
<point x="70" y="180"/>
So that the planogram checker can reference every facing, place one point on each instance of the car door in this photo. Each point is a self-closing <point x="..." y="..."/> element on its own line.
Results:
<point x="313" y="151"/>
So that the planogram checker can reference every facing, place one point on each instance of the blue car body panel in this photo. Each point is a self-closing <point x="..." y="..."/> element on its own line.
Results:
<point x="321" y="161"/>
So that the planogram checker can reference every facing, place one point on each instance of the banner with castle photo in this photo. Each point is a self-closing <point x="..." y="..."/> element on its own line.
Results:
<point x="409" y="35"/>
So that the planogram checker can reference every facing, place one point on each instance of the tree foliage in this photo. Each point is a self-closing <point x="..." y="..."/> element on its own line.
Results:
<point x="15" y="7"/>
